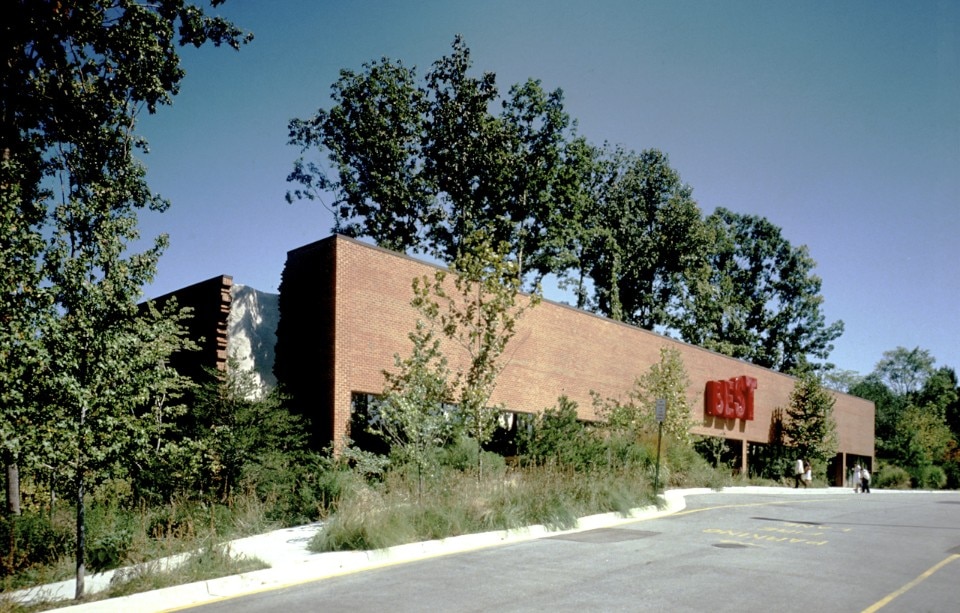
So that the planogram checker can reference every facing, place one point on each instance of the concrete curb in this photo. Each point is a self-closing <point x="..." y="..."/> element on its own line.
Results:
<point x="291" y="563"/>
<point x="306" y="566"/>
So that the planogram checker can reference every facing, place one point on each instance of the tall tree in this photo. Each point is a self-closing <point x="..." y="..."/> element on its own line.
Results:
<point x="24" y="303"/>
<point x="75" y="78"/>
<point x="917" y="408"/>
<point x="575" y="225"/>
<point x="889" y="407"/>
<point x="757" y="298"/>
<point x="905" y="370"/>
<point x="419" y="166"/>
<point x="373" y="135"/>
<point x="647" y="238"/>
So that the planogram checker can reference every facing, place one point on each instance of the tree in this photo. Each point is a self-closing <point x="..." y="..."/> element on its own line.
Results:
<point x="420" y="166"/>
<point x="75" y="77"/>
<point x="412" y="414"/>
<point x="233" y="426"/>
<point x="666" y="379"/>
<point x="557" y="436"/>
<point x="917" y="408"/>
<point x="888" y="406"/>
<point x="479" y="314"/>
<point x="809" y="427"/>
<point x="922" y="440"/>
<point x="647" y="237"/>
<point x="758" y="299"/>
<point x="24" y="303"/>
<point x="905" y="370"/>
<point x="575" y="225"/>
<point x="839" y="379"/>
<point x="373" y="137"/>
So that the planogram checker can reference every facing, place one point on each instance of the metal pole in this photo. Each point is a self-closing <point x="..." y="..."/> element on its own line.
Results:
<point x="656" y="477"/>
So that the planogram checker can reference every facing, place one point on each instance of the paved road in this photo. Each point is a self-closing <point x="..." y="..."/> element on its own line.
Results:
<point x="888" y="551"/>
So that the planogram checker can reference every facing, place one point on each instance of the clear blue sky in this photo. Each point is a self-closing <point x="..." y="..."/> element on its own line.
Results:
<point x="837" y="121"/>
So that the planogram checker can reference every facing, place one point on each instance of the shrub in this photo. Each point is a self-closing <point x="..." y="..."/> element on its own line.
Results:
<point x="461" y="454"/>
<point x="557" y="436"/>
<point x="108" y="551"/>
<point x="31" y="540"/>
<point x="933" y="478"/>
<point x="892" y="478"/>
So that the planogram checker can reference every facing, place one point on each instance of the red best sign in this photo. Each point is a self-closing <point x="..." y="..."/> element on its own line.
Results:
<point x="731" y="399"/>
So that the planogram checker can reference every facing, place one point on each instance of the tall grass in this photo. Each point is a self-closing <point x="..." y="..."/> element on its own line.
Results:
<point x="388" y="513"/>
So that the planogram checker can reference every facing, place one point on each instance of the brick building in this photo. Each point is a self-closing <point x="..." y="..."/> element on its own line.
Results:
<point x="230" y="321"/>
<point x="345" y="311"/>
<point x="208" y="325"/>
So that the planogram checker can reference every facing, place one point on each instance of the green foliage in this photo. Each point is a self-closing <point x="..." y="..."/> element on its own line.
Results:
<point x="556" y="436"/>
<point x="236" y="428"/>
<point x="905" y="370"/>
<point x="210" y="562"/>
<point x="891" y="478"/>
<point x="888" y="405"/>
<point x="462" y="453"/>
<point x="76" y="77"/>
<point x="379" y="516"/>
<point x="809" y="427"/>
<point x="687" y="468"/>
<point x="423" y="164"/>
<point x="479" y="317"/>
<point x="922" y="438"/>
<point x="933" y="478"/>
<point x="666" y="379"/>
<point x="711" y="448"/>
<point x="757" y="298"/>
<point x="412" y="414"/>
<point x="649" y="238"/>
<point x="917" y="426"/>
<point x="31" y="541"/>
<point x="420" y="165"/>
<point x="108" y="551"/>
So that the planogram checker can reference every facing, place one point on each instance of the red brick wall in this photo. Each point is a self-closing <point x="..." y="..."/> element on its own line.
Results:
<point x="558" y="350"/>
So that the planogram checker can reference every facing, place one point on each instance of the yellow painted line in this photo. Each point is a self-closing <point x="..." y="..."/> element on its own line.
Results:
<point x="903" y="590"/>
<point x="752" y="504"/>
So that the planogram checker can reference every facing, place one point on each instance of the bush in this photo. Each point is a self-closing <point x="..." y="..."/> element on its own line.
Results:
<point x="31" y="540"/>
<point x="933" y="478"/>
<point x="295" y="490"/>
<point x="557" y="436"/>
<point x="108" y="551"/>
<point x="690" y="469"/>
<point x="891" y="478"/>
<point x="461" y="454"/>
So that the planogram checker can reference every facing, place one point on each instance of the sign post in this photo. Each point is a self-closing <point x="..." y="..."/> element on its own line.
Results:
<point x="661" y="416"/>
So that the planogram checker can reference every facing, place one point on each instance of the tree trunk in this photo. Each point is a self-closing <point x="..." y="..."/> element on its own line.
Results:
<point x="81" y="536"/>
<point x="81" y="531"/>
<point x="13" y="488"/>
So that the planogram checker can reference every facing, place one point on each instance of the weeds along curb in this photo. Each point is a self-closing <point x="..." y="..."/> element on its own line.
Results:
<point x="313" y="567"/>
